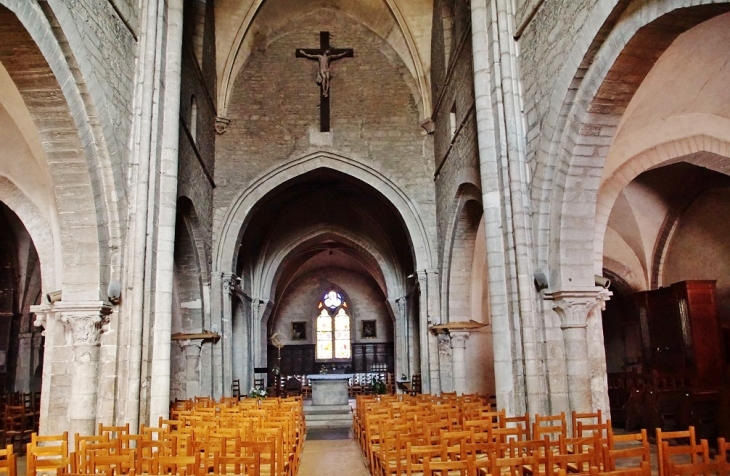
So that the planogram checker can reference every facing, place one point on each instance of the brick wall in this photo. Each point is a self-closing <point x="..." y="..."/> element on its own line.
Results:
<point x="373" y="113"/>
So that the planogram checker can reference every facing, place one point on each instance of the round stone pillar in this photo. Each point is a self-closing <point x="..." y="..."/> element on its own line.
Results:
<point x="458" y="356"/>
<point x="191" y="348"/>
<point x="573" y="307"/>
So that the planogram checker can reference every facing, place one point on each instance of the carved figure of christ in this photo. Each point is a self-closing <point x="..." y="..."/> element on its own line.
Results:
<point x="324" y="56"/>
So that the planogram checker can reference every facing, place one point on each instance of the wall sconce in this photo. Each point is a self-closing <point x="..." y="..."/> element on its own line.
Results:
<point x="114" y="291"/>
<point x="54" y="296"/>
<point x="541" y="281"/>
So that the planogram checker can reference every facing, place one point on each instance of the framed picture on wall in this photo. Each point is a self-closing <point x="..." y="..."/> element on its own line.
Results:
<point x="369" y="330"/>
<point x="299" y="330"/>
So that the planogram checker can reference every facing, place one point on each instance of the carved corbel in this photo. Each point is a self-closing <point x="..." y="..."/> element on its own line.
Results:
<point x="221" y="124"/>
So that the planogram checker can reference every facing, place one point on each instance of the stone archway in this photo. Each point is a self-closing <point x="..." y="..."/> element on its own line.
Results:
<point x="272" y="264"/>
<point x="586" y="119"/>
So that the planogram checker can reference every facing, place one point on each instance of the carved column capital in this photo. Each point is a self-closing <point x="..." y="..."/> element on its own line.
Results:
<point x="83" y="319"/>
<point x="459" y="338"/>
<point x="574" y="305"/>
<point x="191" y="347"/>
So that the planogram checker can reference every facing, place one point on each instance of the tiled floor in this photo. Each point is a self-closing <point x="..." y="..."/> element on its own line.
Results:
<point x="332" y="457"/>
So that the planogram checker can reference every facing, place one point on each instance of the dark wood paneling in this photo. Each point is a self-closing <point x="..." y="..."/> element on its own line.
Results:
<point x="300" y="359"/>
<point x="681" y="331"/>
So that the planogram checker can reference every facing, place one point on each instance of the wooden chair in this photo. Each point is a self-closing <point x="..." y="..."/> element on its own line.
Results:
<point x="577" y="462"/>
<point x="113" y="431"/>
<point x="589" y="418"/>
<point x="632" y="447"/>
<point x="84" y="446"/>
<point x="549" y="426"/>
<point x="47" y="454"/>
<point x="17" y="427"/>
<point x="415" y="384"/>
<point x="449" y="467"/>
<point x="698" y="453"/>
<point x="521" y="421"/>
<point x="717" y="467"/>
<point x="665" y="452"/>
<point x="236" y="388"/>
<point x="113" y="464"/>
<point x="241" y="465"/>
<point x="416" y="455"/>
<point x="8" y="461"/>
<point x="643" y="470"/>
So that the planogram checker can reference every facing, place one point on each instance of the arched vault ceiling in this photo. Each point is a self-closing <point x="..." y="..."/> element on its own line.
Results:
<point x="242" y="24"/>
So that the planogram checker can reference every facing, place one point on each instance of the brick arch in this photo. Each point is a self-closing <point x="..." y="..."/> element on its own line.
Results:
<point x="586" y="117"/>
<point x="40" y="230"/>
<point x="704" y="150"/>
<point x="34" y="54"/>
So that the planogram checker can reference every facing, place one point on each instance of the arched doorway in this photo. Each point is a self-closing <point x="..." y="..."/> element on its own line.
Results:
<point x="319" y="232"/>
<point x="662" y="209"/>
<point x="21" y="343"/>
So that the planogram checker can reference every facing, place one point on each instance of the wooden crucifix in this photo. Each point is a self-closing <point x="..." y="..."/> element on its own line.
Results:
<point x="324" y="55"/>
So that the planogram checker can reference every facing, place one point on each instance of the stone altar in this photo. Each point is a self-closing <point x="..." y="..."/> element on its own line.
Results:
<point x="330" y="389"/>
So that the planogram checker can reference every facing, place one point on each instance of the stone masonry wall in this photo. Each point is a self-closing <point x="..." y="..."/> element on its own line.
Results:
<point x="105" y="47"/>
<point x="456" y="158"/>
<point x="374" y="118"/>
<point x="196" y="159"/>
<point x="365" y="300"/>
<point x="544" y="47"/>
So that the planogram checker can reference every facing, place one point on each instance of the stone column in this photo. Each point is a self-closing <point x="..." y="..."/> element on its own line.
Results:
<point x="24" y="371"/>
<point x="458" y="359"/>
<point x="229" y="285"/>
<point x="445" y="362"/>
<point x="401" y="339"/>
<point x="191" y="348"/>
<point x="573" y="307"/>
<point x="83" y="322"/>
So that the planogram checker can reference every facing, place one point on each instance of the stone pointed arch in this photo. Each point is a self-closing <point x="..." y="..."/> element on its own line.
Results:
<point x="271" y="270"/>
<point x="238" y="214"/>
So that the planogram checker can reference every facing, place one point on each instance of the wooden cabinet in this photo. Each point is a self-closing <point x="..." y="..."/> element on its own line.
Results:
<point x="680" y="331"/>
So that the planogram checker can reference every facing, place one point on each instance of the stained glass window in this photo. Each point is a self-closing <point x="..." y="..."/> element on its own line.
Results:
<point x="333" y="328"/>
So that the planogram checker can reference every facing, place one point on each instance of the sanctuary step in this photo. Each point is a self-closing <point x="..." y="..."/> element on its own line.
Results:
<point x="328" y="416"/>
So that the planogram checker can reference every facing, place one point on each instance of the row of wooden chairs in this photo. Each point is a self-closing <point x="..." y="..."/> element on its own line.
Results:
<point x="245" y="437"/>
<point x="399" y="436"/>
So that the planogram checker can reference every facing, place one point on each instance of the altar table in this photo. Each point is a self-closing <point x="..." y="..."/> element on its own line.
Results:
<point x="330" y="389"/>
